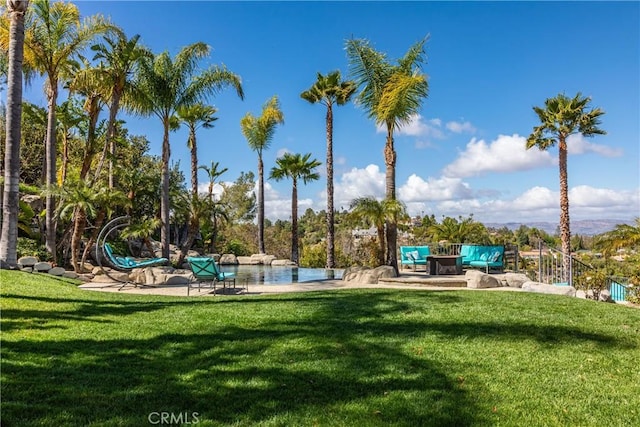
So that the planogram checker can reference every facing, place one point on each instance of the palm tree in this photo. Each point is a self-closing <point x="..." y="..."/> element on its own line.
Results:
<point x="54" y="36"/>
<point x="164" y="85"/>
<point x="329" y="90"/>
<point x="392" y="96"/>
<point x="11" y="195"/>
<point x="118" y="58"/>
<point x="296" y="167"/>
<point x="213" y="173"/>
<point x="259" y="133"/>
<point x="378" y="213"/>
<point x="217" y="209"/>
<point x="77" y="203"/>
<point x="196" y="116"/>
<point x="561" y="117"/>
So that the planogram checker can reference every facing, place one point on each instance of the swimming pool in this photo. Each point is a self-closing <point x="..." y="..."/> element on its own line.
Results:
<point x="279" y="275"/>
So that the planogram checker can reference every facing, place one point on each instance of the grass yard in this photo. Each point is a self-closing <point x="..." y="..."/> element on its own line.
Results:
<point x="340" y="358"/>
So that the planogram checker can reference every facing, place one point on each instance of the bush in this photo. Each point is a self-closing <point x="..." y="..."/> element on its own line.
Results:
<point x="594" y="281"/>
<point x="30" y="247"/>
<point x="314" y="256"/>
<point x="236" y="247"/>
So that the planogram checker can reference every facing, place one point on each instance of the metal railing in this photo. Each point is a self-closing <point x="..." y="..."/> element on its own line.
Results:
<point x="552" y="269"/>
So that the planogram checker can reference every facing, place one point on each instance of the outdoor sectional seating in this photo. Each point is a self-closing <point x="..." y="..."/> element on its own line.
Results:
<point x="414" y="255"/>
<point x="485" y="257"/>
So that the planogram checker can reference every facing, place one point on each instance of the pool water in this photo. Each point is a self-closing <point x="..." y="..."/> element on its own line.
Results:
<point x="279" y="275"/>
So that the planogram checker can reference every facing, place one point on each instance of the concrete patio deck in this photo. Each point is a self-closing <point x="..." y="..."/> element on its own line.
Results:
<point x="407" y="280"/>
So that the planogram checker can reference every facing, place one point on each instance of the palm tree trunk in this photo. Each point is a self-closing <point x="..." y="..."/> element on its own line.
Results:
<point x="330" y="221"/>
<point x="111" y="130"/>
<point x="565" y="230"/>
<point x="392" y="228"/>
<point x="164" y="198"/>
<point x="11" y="193"/>
<point x="194" y="164"/>
<point x="260" y="204"/>
<point x="102" y="214"/>
<point x="382" y="243"/>
<point x="192" y="231"/>
<point x="294" y="222"/>
<point x="65" y="158"/>
<point x="78" y="229"/>
<point x="91" y="144"/>
<point x="50" y="226"/>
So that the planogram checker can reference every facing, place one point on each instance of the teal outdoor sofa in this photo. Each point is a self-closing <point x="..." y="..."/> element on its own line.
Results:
<point x="486" y="257"/>
<point x="414" y="255"/>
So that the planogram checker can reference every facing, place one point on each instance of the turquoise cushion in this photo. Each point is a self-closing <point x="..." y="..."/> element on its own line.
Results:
<point x="494" y="256"/>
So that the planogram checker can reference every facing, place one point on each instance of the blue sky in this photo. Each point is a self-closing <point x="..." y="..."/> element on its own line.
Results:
<point x="488" y="64"/>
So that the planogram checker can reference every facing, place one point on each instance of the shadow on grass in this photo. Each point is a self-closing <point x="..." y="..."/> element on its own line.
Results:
<point x="336" y="358"/>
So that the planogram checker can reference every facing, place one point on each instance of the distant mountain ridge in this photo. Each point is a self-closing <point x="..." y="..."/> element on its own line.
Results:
<point x="588" y="227"/>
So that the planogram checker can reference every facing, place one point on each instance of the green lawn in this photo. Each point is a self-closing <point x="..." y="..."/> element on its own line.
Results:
<point x="341" y="358"/>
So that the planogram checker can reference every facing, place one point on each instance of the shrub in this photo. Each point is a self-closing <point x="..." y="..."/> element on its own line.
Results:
<point x="30" y="247"/>
<point x="594" y="281"/>
<point x="236" y="247"/>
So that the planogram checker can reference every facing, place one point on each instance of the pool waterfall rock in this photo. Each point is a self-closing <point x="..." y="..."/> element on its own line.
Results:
<point x="367" y="275"/>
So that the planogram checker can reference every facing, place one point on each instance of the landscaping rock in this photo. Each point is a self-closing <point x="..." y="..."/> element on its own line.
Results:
<point x="229" y="259"/>
<point x="283" y="262"/>
<point x="543" y="288"/>
<point x="27" y="261"/>
<point x="42" y="266"/>
<point x="27" y="269"/>
<point x="71" y="275"/>
<point x="367" y="275"/>
<point x="56" y="271"/>
<point x="478" y="280"/>
<point x="515" y="280"/>
<point x="245" y="260"/>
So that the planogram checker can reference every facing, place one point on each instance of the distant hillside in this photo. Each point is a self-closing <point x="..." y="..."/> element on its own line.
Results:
<point x="587" y="227"/>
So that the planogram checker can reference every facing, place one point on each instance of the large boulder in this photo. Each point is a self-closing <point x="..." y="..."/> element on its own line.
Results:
<point x="367" y="275"/>
<point x="56" y="271"/>
<point x="515" y="280"/>
<point x="476" y="279"/>
<point x="42" y="266"/>
<point x="283" y="262"/>
<point x="228" y="259"/>
<point x="543" y="288"/>
<point x="27" y="261"/>
<point x="247" y="260"/>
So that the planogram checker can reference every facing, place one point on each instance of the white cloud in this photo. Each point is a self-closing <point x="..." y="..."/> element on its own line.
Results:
<point x="355" y="183"/>
<point x="281" y="152"/>
<point x="460" y="127"/>
<point x="505" y="154"/>
<point x="578" y="144"/>
<point x="543" y="204"/>
<point x="416" y="189"/>
<point x="417" y="126"/>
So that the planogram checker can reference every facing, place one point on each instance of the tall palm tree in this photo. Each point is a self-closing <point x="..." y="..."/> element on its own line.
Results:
<point x="119" y="57"/>
<point x="329" y="90"/>
<point x="163" y="85"/>
<point x="54" y="36"/>
<point x="11" y="195"/>
<point x="196" y="116"/>
<point x="391" y="95"/>
<point x="259" y="133"/>
<point x="561" y="117"/>
<point x="378" y="213"/>
<point x="296" y="167"/>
